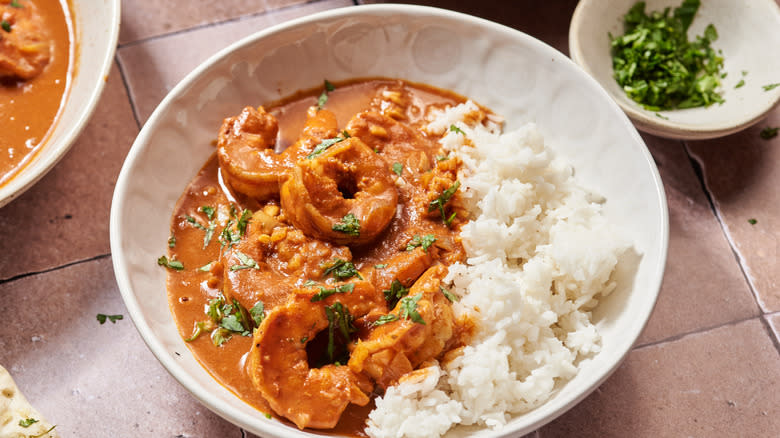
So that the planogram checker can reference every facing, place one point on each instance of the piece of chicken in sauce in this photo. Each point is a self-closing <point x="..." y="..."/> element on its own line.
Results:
<point x="24" y="43"/>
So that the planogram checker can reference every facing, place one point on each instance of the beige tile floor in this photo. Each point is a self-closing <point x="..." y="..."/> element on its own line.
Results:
<point x="707" y="364"/>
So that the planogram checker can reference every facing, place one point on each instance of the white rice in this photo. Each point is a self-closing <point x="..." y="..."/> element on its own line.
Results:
<point x="539" y="253"/>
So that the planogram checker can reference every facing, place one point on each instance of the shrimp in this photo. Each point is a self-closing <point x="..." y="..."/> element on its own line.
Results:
<point x="245" y="149"/>
<point x="279" y="366"/>
<point x="420" y="332"/>
<point x="25" y="48"/>
<point x="344" y="195"/>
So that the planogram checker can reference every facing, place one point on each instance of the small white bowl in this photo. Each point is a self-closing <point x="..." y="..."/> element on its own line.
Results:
<point x="96" y="25"/>
<point x="748" y="35"/>
<point x="516" y="75"/>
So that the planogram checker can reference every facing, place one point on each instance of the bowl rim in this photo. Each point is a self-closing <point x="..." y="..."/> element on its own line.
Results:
<point x="645" y="119"/>
<point x="537" y="419"/>
<point x="56" y="148"/>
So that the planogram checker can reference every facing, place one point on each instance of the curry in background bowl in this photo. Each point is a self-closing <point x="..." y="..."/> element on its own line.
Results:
<point x="54" y="57"/>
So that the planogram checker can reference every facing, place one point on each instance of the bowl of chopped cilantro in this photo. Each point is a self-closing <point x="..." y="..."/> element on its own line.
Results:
<point x="687" y="69"/>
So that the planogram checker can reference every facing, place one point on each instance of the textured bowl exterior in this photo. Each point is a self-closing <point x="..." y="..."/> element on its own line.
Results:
<point x="747" y="33"/>
<point x="516" y="75"/>
<point x="96" y="32"/>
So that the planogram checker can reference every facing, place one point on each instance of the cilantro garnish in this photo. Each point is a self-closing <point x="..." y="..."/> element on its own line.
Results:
<point x="113" y="318"/>
<point x="171" y="264"/>
<point x="442" y="157"/>
<point x="341" y="270"/>
<point x="449" y="295"/>
<point x="328" y="87"/>
<point x="384" y="319"/>
<point x="226" y="319"/>
<point x="349" y="224"/>
<point x="740" y="83"/>
<point x="398" y="168"/>
<point x="209" y="230"/>
<point x="235" y="228"/>
<point x="208" y="211"/>
<point x="27" y="422"/>
<point x="395" y="293"/>
<point x="425" y="242"/>
<point x="172" y="241"/>
<point x="380" y="266"/>
<point x="325" y="293"/>
<point x="17" y="5"/>
<point x="325" y="144"/>
<point x="409" y="308"/>
<point x="246" y="262"/>
<point x="768" y="132"/>
<point x="338" y="319"/>
<point x="765" y="87"/>
<point x="206" y="267"/>
<point x="752" y="221"/>
<point x="457" y="130"/>
<point x="439" y="202"/>
<point x="309" y="283"/>
<point x="658" y="67"/>
<point x="5" y="25"/>
<point x="43" y="433"/>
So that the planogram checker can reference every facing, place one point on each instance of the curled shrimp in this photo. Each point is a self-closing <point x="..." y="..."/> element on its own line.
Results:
<point x="279" y="363"/>
<point x="245" y="148"/>
<point x="345" y="194"/>
<point x="419" y="329"/>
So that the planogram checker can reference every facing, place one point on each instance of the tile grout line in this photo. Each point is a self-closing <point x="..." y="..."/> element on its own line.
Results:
<point x="129" y="92"/>
<point x="680" y="336"/>
<point x="699" y="171"/>
<point x="219" y="23"/>
<point x="56" y="268"/>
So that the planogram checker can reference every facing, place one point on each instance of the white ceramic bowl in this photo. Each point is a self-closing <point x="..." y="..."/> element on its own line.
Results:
<point x="748" y="34"/>
<point x="512" y="73"/>
<point x="96" y="32"/>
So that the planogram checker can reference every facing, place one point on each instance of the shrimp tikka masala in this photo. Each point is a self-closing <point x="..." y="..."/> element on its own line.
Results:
<point x="36" y="54"/>
<point x="306" y="259"/>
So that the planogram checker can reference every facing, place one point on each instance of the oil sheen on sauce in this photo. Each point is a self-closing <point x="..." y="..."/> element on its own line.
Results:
<point x="189" y="290"/>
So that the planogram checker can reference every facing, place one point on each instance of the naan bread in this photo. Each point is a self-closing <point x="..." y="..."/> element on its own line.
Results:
<point x="15" y="411"/>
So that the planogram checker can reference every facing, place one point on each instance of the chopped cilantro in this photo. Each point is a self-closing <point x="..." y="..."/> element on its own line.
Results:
<point x="5" y="25"/>
<point x="752" y="221"/>
<point x="769" y="132"/>
<point x="740" y="83"/>
<point x="425" y="242"/>
<point x="341" y="270"/>
<point x="27" y="422"/>
<point x="267" y="415"/>
<point x="208" y="211"/>
<point x="258" y="313"/>
<point x="439" y="202"/>
<point x="398" y="168"/>
<point x="384" y="319"/>
<point x="113" y="318"/>
<point x="457" y="130"/>
<point x="172" y="241"/>
<point x="395" y="293"/>
<point x="328" y="87"/>
<point x="325" y="293"/>
<point x="765" y="87"/>
<point x="658" y="67"/>
<point x="200" y="328"/>
<point x="220" y="335"/>
<point x="309" y="283"/>
<point x="243" y="221"/>
<point x="16" y="4"/>
<point x="246" y="262"/>
<point x="339" y="319"/>
<point x="349" y="224"/>
<point x="206" y="267"/>
<point x="171" y="264"/>
<point x="380" y="266"/>
<point x="325" y="144"/>
<point x="661" y="116"/>
<point x="43" y="433"/>
<point x="409" y="308"/>
<point x="449" y="295"/>
<point x="304" y="339"/>
<point x="232" y="323"/>
<point x="442" y="157"/>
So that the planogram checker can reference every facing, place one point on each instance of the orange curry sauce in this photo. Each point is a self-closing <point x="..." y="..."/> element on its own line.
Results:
<point x="201" y="278"/>
<point x="29" y="108"/>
